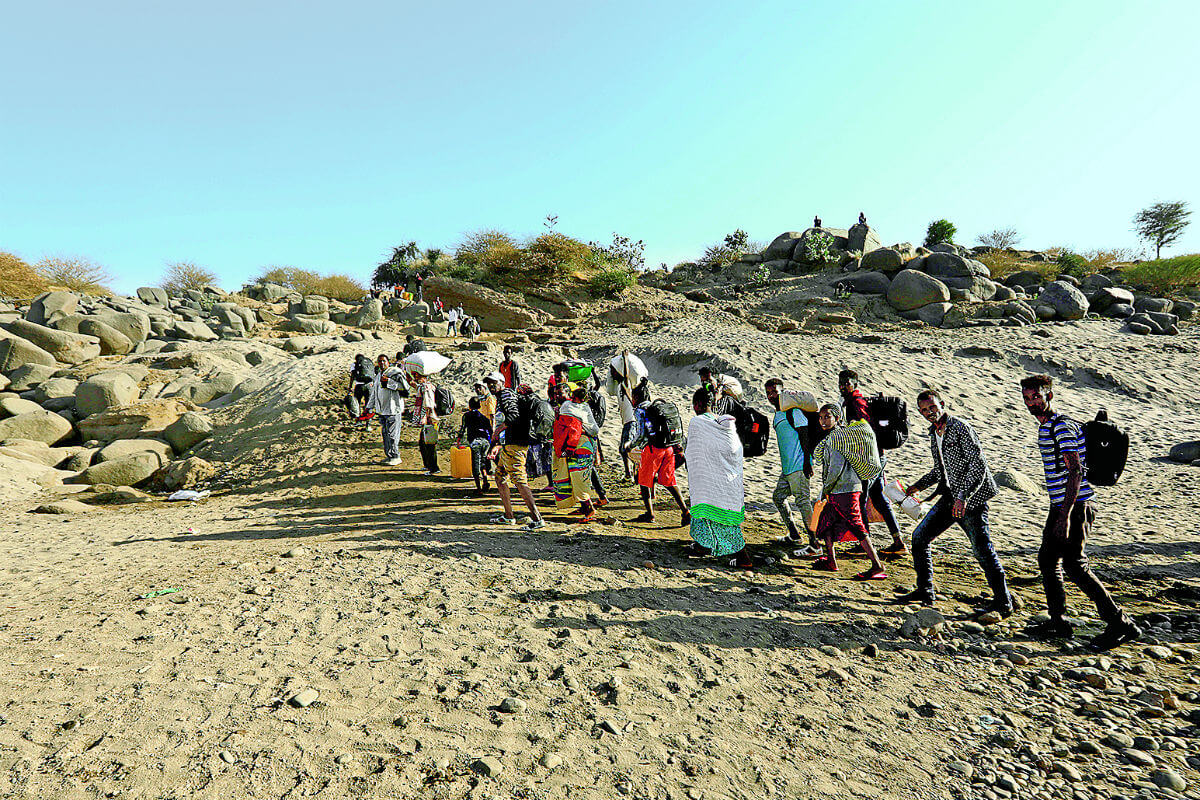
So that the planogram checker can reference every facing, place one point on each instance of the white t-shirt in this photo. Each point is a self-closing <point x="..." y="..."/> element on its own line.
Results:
<point x="452" y="316"/>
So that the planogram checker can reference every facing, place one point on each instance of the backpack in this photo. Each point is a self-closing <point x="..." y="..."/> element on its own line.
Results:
<point x="538" y="415"/>
<point x="599" y="407"/>
<point x="443" y="401"/>
<point x="1106" y="449"/>
<point x="889" y="420"/>
<point x="753" y="429"/>
<point x="568" y="430"/>
<point x="664" y="418"/>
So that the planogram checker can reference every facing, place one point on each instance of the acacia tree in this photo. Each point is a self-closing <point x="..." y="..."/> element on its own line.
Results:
<point x="1001" y="239"/>
<point x="1162" y="224"/>
<point x="939" y="231"/>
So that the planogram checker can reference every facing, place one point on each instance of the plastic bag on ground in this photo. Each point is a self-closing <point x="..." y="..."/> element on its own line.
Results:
<point x="187" y="494"/>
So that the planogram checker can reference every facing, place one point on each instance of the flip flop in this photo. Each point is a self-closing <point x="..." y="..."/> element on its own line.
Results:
<point x="824" y="565"/>
<point x="870" y="576"/>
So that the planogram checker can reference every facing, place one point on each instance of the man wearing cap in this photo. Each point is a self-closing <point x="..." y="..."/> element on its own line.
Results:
<point x="510" y="448"/>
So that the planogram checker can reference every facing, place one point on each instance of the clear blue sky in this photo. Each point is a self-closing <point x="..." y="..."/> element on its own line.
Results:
<point x="238" y="135"/>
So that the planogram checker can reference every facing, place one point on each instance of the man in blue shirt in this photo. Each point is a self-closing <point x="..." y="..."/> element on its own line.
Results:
<point x="796" y="440"/>
<point x="1064" y="459"/>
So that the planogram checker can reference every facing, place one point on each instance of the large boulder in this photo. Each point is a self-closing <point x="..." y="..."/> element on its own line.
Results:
<point x="495" y="311"/>
<point x="310" y="326"/>
<point x="1067" y="301"/>
<point x="413" y="314"/>
<point x="112" y="341"/>
<point x="371" y="311"/>
<point x="195" y="331"/>
<point x="184" y="474"/>
<point x="41" y="426"/>
<point x="188" y="431"/>
<point x="310" y="306"/>
<point x="70" y="348"/>
<point x="229" y="314"/>
<point x="782" y="246"/>
<point x="273" y="293"/>
<point x="951" y="265"/>
<point x="26" y="377"/>
<point x="153" y="296"/>
<point x="144" y="419"/>
<point x="866" y="282"/>
<point x="122" y="448"/>
<point x="17" y="353"/>
<point x="1025" y="278"/>
<point x="911" y="289"/>
<point x="132" y="324"/>
<point x="883" y="259"/>
<point x="1160" y="304"/>
<point x="12" y="406"/>
<point x="49" y="307"/>
<point x="104" y="391"/>
<point x="54" y="388"/>
<point x="862" y="237"/>
<point x="128" y="471"/>
<point x="1108" y="296"/>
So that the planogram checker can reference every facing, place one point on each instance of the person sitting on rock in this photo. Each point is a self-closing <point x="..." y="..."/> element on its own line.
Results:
<point x="816" y="222"/>
<point x="961" y="473"/>
<point x="1064" y="457"/>
<point x="862" y="218"/>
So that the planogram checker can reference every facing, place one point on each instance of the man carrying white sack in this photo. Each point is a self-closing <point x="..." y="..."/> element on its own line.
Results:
<point x="388" y="391"/>
<point x="961" y="474"/>
<point x="797" y="433"/>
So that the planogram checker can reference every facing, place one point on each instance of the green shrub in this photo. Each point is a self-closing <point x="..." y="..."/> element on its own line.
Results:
<point x="76" y="273"/>
<point x="816" y="248"/>
<point x="555" y="255"/>
<point x="612" y="281"/>
<point x="1167" y="275"/>
<point x="183" y="275"/>
<point x="479" y="247"/>
<point x="940" y="231"/>
<point x="722" y="254"/>
<point x="1072" y="264"/>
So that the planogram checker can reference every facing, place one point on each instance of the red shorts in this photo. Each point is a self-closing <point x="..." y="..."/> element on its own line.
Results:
<point x="657" y="462"/>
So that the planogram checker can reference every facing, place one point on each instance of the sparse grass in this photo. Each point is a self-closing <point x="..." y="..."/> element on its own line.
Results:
<point x="307" y="281"/>
<point x="183" y="275"/>
<point x="77" y="273"/>
<point x="1166" y="275"/>
<point x="611" y="282"/>
<point x="18" y="280"/>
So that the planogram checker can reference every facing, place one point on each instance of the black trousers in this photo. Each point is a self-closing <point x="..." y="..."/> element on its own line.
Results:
<point x="1057" y="556"/>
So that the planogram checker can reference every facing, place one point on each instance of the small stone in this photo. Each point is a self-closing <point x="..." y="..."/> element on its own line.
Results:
<point x="343" y="758"/>
<point x="607" y="725"/>
<point x="1087" y="747"/>
<point x="1159" y="652"/>
<point x="990" y="618"/>
<point x="1138" y="757"/>
<point x="488" y="766"/>
<point x="970" y="627"/>
<point x="513" y="705"/>
<point x="1167" y="778"/>
<point x="613" y="682"/>
<point x="961" y="768"/>
<point x="648" y="564"/>
<point x="1118" y="741"/>
<point x="227" y="756"/>
<point x="551" y="760"/>
<point x="295" y="552"/>
<point x="871" y="650"/>
<point x="836" y="674"/>
<point x="1145" y="743"/>
<point x="1068" y="771"/>
<point x="305" y="698"/>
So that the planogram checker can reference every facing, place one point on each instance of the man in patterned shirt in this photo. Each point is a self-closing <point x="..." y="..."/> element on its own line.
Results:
<point x="1064" y="458"/>
<point x="961" y="473"/>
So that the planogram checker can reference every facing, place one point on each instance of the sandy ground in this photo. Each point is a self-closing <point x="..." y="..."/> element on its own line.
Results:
<point x="453" y="659"/>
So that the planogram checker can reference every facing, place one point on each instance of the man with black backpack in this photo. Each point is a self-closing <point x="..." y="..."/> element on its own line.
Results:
<point x="659" y="430"/>
<point x="855" y="407"/>
<point x="1063" y="447"/>
<point x="515" y="417"/>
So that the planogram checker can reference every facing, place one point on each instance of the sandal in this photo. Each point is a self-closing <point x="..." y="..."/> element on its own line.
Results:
<point x="643" y="518"/>
<point x="824" y="565"/>
<point x="868" y="575"/>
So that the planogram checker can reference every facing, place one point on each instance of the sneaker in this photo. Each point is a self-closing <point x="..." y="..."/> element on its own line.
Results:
<point x="500" y="519"/>
<point x="535" y="524"/>
<point x="915" y="596"/>
<point x="1051" y="629"/>
<point x="392" y="462"/>
<point x="1115" y="635"/>
<point x="808" y="551"/>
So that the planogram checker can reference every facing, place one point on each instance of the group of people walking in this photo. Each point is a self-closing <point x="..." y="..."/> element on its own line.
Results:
<point x="517" y="434"/>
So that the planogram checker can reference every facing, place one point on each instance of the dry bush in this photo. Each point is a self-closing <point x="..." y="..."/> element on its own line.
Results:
<point x="299" y="280"/>
<point x="183" y="275"/>
<point x="18" y="279"/>
<point x="489" y="244"/>
<point x="1100" y="260"/>
<point x="340" y="287"/>
<point x="77" y="273"/>
<point x="1001" y="264"/>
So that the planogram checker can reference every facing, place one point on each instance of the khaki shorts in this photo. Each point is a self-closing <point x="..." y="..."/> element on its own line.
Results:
<point x="510" y="464"/>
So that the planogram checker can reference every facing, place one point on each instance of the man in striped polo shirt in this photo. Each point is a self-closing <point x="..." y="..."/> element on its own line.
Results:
<point x="1064" y="458"/>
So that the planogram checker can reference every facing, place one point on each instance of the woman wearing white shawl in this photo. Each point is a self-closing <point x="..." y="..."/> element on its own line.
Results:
<point x="715" y="486"/>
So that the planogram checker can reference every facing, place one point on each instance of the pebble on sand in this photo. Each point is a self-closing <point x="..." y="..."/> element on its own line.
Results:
<point x="305" y="698"/>
<point x="488" y="766"/>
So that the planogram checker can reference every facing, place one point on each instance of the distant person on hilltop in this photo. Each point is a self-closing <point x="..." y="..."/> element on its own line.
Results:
<point x="862" y="218"/>
<point x="420" y="283"/>
<point x="960" y="471"/>
<point x="1064" y="458"/>
<point x="816" y="222"/>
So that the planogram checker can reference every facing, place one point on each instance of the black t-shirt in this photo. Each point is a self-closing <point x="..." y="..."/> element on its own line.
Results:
<point x="516" y="423"/>
<point x="476" y="426"/>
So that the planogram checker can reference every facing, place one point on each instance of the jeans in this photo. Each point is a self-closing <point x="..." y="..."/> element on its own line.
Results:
<point x="794" y="484"/>
<point x="1057" y="556"/>
<point x="873" y="491"/>
<point x="975" y="525"/>
<point x="389" y="425"/>
<point x="428" y="447"/>
<point x="479" y="450"/>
